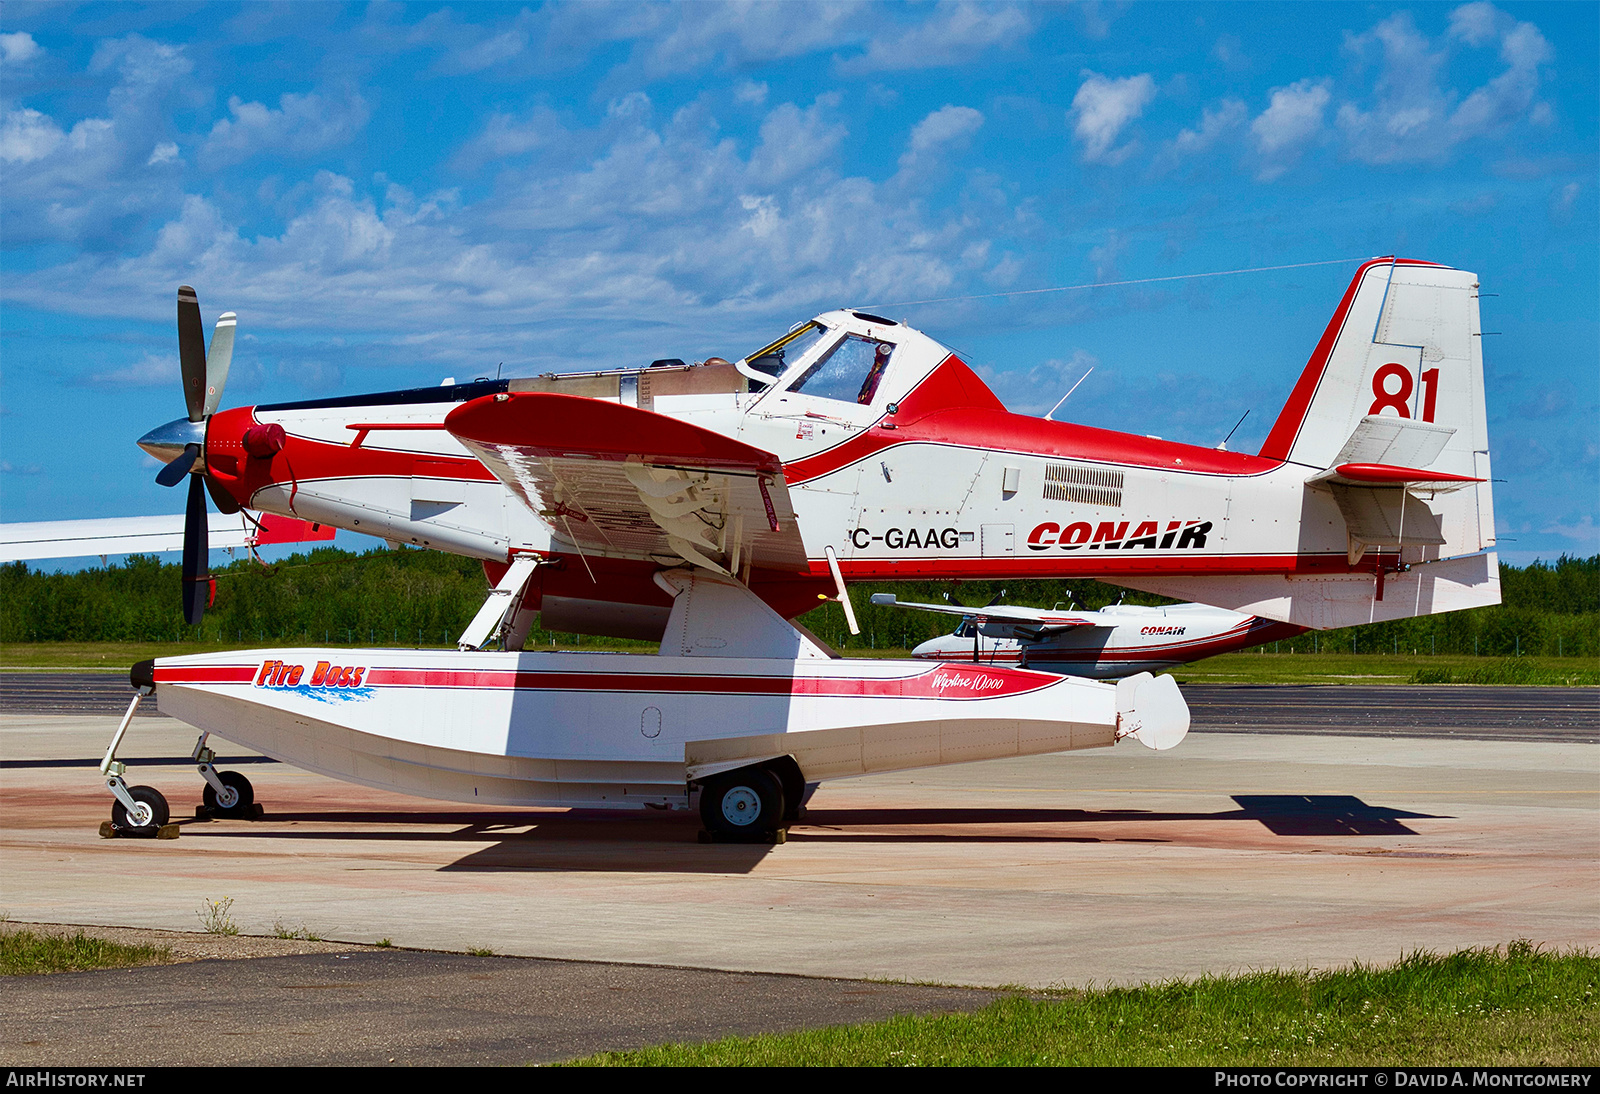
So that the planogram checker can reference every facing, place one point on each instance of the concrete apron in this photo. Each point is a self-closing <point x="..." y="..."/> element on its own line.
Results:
<point x="1231" y="852"/>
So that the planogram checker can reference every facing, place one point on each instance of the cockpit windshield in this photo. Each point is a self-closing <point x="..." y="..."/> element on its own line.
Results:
<point x="774" y="359"/>
<point x="849" y="372"/>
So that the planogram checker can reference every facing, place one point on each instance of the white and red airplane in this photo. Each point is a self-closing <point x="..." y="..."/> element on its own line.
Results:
<point x="706" y="505"/>
<point x="1115" y="641"/>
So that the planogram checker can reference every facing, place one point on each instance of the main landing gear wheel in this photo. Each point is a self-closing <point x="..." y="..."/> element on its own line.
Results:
<point x="742" y="806"/>
<point x="148" y="815"/>
<point x="237" y="799"/>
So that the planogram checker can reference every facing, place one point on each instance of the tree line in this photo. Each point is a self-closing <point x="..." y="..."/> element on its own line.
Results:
<point x="410" y="597"/>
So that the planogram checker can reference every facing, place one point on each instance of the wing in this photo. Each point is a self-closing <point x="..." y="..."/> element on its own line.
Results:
<point x="145" y="535"/>
<point x="617" y="480"/>
<point x="1034" y="618"/>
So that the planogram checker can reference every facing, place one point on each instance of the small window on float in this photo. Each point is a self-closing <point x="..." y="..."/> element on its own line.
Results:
<point x="850" y="372"/>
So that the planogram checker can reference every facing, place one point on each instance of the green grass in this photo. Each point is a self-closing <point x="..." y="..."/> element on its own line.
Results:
<point x="27" y="953"/>
<point x="1387" y="668"/>
<point x="1511" y="1006"/>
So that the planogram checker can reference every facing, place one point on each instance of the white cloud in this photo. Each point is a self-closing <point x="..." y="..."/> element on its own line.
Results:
<point x="664" y="233"/>
<point x="954" y="33"/>
<point x="945" y="128"/>
<point x="27" y="135"/>
<point x="301" y="125"/>
<point x="1216" y="123"/>
<point x="89" y="180"/>
<point x="679" y="38"/>
<point x="1414" y="117"/>
<point x="1475" y="23"/>
<point x="17" y="48"/>
<point x="749" y="91"/>
<point x="165" y="152"/>
<point x="1510" y="95"/>
<point x="1293" y="117"/>
<point x="1582" y="530"/>
<point x="1105" y="256"/>
<point x="151" y="370"/>
<point x="506" y="136"/>
<point x="1103" y="107"/>
<point x="794" y="140"/>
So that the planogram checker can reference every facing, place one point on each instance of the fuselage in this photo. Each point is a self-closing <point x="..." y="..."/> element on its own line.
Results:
<point x="915" y="472"/>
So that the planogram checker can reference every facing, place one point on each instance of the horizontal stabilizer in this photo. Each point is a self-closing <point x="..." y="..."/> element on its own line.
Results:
<point x="1391" y="440"/>
<point x="1383" y="474"/>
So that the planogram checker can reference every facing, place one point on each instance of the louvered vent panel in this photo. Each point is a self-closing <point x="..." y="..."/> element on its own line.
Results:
<point x="1084" y="485"/>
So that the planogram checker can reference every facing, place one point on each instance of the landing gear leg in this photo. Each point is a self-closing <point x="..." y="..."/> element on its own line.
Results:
<point x="226" y="793"/>
<point x="137" y="810"/>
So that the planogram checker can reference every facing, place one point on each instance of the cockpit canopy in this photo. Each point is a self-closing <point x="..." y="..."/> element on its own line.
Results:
<point x="844" y="356"/>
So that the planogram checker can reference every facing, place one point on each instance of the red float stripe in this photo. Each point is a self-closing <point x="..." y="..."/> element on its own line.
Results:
<point x="946" y="681"/>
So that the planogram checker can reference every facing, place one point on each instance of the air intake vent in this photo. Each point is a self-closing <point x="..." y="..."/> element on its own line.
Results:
<point x="1084" y="485"/>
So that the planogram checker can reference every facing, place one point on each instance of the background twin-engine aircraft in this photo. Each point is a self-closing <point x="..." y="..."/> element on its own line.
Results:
<point x="854" y="447"/>
<point x="1118" y="640"/>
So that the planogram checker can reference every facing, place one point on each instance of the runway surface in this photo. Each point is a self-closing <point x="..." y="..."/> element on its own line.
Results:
<point x="1415" y="822"/>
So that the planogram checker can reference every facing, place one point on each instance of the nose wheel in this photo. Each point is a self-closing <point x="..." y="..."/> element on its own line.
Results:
<point x="237" y="798"/>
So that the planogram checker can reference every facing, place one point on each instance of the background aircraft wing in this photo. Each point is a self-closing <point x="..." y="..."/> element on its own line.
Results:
<point x="618" y="480"/>
<point x="145" y="535"/>
<point x="1035" y="618"/>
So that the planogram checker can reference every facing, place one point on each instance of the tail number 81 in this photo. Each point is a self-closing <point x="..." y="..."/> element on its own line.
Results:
<point x="1392" y="386"/>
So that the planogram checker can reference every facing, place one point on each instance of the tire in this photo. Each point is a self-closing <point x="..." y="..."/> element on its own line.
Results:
<point x="742" y="805"/>
<point x="240" y="785"/>
<point x="143" y="795"/>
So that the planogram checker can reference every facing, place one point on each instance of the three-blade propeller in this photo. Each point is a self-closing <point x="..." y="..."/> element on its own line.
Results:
<point x="204" y="377"/>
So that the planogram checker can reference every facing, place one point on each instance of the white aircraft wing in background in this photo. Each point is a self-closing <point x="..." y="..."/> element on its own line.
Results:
<point x="145" y="535"/>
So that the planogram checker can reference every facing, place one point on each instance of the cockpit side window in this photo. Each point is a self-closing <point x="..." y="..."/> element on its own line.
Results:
<point x="776" y="358"/>
<point x="850" y="372"/>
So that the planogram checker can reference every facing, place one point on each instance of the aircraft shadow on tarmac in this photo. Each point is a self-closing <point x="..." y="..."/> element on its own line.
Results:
<point x="627" y="842"/>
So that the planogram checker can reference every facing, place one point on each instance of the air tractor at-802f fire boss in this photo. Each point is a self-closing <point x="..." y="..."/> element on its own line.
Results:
<point x="706" y="506"/>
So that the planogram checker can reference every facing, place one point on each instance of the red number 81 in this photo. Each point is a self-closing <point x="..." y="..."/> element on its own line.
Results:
<point x="1399" y="399"/>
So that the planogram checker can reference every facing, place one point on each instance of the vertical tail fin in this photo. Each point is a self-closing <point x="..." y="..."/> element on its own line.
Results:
<point x="1394" y="392"/>
<point x="1387" y="425"/>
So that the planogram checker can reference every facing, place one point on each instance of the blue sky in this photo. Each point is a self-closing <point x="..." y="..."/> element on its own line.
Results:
<point x="388" y="195"/>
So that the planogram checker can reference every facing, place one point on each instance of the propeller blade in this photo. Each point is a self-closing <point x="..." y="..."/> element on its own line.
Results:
<point x="196" y="554"/>
<point x="173" y="473"/>
<point x="192" y="352"/>
<point x="224" y="501"/>
<point x="217" y="362"/>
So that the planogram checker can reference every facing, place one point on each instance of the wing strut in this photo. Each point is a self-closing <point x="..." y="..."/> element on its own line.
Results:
<point x="500" y="605"/>
<point x="838" y="583"/>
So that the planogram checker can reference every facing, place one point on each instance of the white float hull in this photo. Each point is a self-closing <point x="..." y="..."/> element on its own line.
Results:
<point x="618" y="730"/>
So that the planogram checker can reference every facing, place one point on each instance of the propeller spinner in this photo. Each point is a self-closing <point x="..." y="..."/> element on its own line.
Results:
<point x="180" y="444"/>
